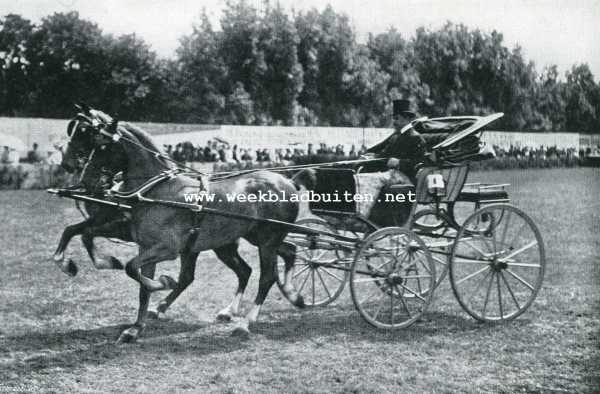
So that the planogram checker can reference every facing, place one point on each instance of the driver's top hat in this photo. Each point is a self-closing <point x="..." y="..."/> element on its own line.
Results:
<point x="402" y="107"/>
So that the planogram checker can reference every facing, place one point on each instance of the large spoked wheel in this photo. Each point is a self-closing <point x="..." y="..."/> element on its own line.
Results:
<point x="320" y="269"/>
<point x="392" y="278"/>
<point x="497" y="274"/>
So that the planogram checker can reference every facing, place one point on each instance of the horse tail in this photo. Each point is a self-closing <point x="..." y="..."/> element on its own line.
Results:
<point x="305" y="178"/>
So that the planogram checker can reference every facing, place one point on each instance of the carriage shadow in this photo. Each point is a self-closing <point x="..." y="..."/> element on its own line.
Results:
<point x="333" y="321"/>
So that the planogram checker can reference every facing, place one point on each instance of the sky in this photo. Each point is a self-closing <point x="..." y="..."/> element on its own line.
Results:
<point x="557" y="32"/>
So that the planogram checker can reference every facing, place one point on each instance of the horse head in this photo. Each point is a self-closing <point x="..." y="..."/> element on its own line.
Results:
<point x="92" y="146"/>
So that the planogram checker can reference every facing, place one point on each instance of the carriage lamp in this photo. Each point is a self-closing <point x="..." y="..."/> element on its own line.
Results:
<point x="435" y="185"/>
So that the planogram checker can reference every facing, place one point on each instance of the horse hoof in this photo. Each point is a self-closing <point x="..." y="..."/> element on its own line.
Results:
<point x="241" y="332"/>
<point x="223" y="318"/>
<point x="116" y="264"/>
<point x="128" y="336"/>
<point x="154" y="315"/>
<point x="162" y="307"/>
<point x="167" y="282"/>
<point x="71" y="268"/>
<point x="300" y="302"/>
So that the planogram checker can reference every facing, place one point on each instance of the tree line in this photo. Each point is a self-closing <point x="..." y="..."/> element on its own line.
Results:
<point x="273" y="67"/>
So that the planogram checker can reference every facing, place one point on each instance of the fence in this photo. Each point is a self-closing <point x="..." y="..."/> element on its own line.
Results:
<point x="48" y="131"/>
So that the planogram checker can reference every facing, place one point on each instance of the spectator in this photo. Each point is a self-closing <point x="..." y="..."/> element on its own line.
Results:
<point x="5" y="158"/>
<point x="33" y="156"/>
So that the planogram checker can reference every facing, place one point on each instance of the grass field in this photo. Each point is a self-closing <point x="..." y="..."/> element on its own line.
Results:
<point x="57" y="333"/>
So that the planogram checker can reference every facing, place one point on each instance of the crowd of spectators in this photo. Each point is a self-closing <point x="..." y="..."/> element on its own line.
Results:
<point x="219" y="151"/>
<point x="227" y="157"/>
<point x="13" y="173"/>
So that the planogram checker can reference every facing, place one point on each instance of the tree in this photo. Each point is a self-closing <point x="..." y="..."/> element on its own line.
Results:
<point x="200" y="81"/>
<point x="326" y="50"/>
<point x="68" y="63"/>
<point x="15" y="34"/>
<point x="366" y="85"/>
<point x="582" y="97"/>
<point x="281" y="80"/>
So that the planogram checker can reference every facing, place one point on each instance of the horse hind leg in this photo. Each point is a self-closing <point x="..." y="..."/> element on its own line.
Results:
<point x="229" y="255"/>
<point x="153" y="255"/>
<point x="132" y="333"/>
<point x="268" y="261"/>
<point x="186" y="277"/>
<point x="288" y="251"/>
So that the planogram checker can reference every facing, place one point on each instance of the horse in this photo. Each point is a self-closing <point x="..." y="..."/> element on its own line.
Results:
<point x="165" y="232"/>
<point x="101" y="220"/>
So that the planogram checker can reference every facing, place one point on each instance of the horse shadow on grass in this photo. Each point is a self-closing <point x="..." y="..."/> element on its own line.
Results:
<point x="44" y="351"/>
<point x="37" y="352"/>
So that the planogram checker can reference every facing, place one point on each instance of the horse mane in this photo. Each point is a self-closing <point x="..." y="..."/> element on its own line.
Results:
<point x="140" y="135"/>
<point x="146" y="141"/>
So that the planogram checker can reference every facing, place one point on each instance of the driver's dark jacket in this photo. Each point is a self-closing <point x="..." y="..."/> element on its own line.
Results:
<point x="409" y="147"/>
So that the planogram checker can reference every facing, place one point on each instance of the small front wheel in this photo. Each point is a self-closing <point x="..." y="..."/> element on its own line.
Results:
<point x="392" y="278"/>
<point x="320" y="269"/>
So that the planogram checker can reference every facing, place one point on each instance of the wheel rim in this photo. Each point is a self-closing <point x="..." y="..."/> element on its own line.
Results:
<point x="497" y="274"/>
<point x="316" y="274"/>
<point x="391" y="278"/>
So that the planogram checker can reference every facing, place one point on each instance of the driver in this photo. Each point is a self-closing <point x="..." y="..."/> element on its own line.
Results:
<point x="408" y="145"/>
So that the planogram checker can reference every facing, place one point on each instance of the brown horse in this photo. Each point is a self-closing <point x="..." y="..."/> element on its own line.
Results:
<point x="101" y="220"/>
<point x="164" y="232"/>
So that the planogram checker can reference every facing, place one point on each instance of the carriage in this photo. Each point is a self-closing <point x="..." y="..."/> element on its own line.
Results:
<point x="419" y="233"/>
<point x="492" y="251"/>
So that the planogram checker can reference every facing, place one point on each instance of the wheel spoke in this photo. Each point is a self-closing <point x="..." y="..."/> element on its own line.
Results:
<point x="323" y="283"/>
<point x="403" y="301"/>
<point x="518" y="233"/>
<point x="499" y="296"/>
<point x="301" y="271"/>
<point x="479" y="284"/>
<point x="368" y="280"/>
<point x="520" y="250"/>
<point x="470" y="261"/>
<point x="411" y="291"/>
<point x="487" y="294"/>
<point x="303" y="283"/>
<point x="332" y="274"/>
<point x="481" y="252"/>
<point x="379" y="306"/>
<point x="473" y="274"/>
<point x="523" y="265"/>
<point x="510" y="290"/>
<point x="517" y="277"/>
<point x="313" y="285"/>
<point x="391" y="307"/>
<point x="505" y="230"/>
<point x="416" y="276"/>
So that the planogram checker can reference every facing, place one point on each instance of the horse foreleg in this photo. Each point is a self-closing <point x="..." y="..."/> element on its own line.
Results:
<point x="133" y="332"/>
<point x="114" y="229"/>
<point x="153" y="255"/>
<point x="268" y="261"/>
<point x="229" y="255"/>
<point x="186" y="277"/>
<point x="69" y="267"/>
